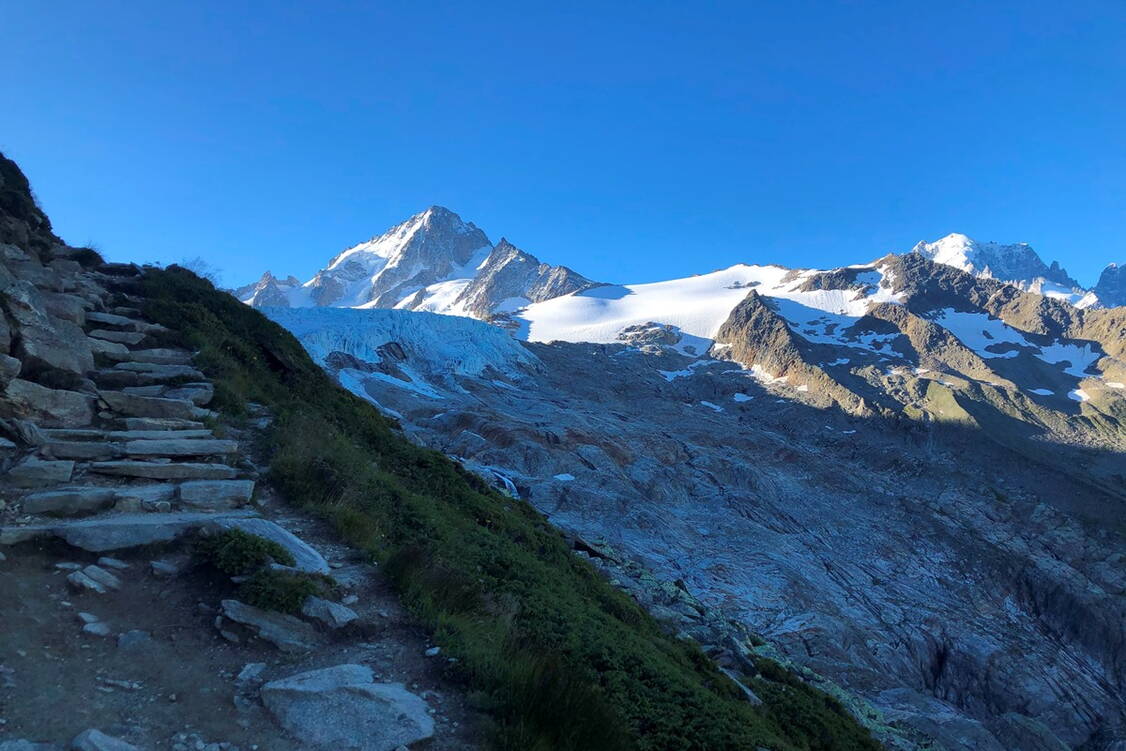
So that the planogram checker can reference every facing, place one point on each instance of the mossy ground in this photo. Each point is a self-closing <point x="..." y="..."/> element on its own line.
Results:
<point x="559" y="658"/>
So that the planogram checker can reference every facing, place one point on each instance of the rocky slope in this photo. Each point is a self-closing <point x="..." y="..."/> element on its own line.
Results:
<point x="950" y="587"/>
<point x="114" y="478"/>
<point x="907" y="474"/>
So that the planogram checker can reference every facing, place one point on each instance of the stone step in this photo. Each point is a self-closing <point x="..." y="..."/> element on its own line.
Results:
<point x="124" y="310"/>
<point x="116" y="379"/>
<point x="69" y="501"/>
<point x="102" y="534"/>
<point x="176" y="447"/>
<point x="161" y="356"/>
<point x="152" y="406"/>
<point x="92" y="434"/>
<point x="215" y="495"/>
<point x="87" y="450"/>
<point x="34" y="472"/>
<point x="113" y="351"/>
<point x="159" y="423"/>
<point x="116" y="321"/>
<point x="165" y="470"/>
<point x="199" y="394"/>
<point x="119" y="337"/>
<point x="161" y="370"/>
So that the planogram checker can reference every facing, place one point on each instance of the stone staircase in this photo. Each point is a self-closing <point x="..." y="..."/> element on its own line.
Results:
<point x="143" y="446"/>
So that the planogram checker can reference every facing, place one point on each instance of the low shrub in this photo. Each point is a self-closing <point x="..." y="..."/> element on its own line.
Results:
<point x="238" y="553"/>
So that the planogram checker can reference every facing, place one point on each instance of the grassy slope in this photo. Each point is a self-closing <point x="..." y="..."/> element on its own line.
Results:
<point x="558" y="657"/>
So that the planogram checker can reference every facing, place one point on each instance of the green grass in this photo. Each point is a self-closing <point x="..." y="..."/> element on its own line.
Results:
<point x="557" y="657"/>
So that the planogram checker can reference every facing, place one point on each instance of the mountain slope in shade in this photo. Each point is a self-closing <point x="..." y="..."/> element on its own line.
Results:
<point x="1111" y="287"/>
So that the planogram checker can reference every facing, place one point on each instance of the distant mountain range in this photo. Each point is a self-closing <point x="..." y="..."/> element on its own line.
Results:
<point x="437" y="262"/>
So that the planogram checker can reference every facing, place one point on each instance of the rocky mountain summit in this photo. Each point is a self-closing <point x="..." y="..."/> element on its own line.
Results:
<point x="433" y="261"/>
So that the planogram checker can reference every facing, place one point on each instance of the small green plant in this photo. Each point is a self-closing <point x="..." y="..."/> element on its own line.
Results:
<point x="284" y="591"/>
<point x="238" y="553"/>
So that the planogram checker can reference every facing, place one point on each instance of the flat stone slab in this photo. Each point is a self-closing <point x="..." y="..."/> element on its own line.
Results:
<point x="157" y="435"/>
<point x="163" y="371"/>
<point x="162" y="356"/>
<point x="69" y="501"/>
<point x="285" y="632"/>
<point x="120" y="532"/>
<point x="306" y="558"/>
<point x="88" y="450"/>
<point x="111" y="319"/>
<point x="159" y="423"/>
<point x="342" y="707"/>
<point x="216" y="494"/>
<point x="119" y="337"/>
<point x="151" y="406"/>
<point x="33" y="472"/>
<point x="165" y="471"/>
<point x="181" y="447"/>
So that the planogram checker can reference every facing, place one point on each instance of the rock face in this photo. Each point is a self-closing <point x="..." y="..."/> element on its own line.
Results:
<point x="1111" y="287"/>
<point x="343" y="708"/>
<point x="511" y="278"/>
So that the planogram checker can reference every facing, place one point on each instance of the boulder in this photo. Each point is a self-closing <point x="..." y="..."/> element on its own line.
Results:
<point x="343" y="708"/>
<point x="102" y="576"/>
<point x="68" y="501"/>
<point x="216" y="494"/>
<point x="34" y="472"/>
<point x="332" y="614"/>
<point x="285" y="632"/>
<point x="49" y="407"/>
<point x="61" y="346"/>
<point x="80" y="582"/>
<point x="165" y="471"/>
<point x="96" y="740"/>
<point x="306" y="558"/>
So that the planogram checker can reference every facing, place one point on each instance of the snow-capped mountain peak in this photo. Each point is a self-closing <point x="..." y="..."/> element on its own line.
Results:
<point x="1015" y="263"/>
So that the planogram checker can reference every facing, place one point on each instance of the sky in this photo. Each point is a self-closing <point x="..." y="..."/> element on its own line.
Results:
<point x="632" y="141"/>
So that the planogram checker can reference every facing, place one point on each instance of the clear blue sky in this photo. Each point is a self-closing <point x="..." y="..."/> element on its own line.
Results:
<point x="631" y="140"/>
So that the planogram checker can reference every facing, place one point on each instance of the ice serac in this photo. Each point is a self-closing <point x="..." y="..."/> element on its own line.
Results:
<point x="511" y="278"/>
<point x="430" y="247"/>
